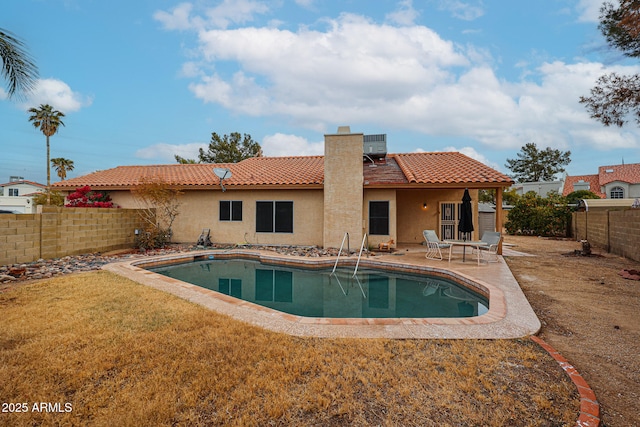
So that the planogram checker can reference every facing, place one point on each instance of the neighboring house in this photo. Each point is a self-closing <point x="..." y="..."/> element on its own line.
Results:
<point x="356" y="187"/>
<point x="17" y="194"/>
<point x="542" y="189"/>
<point x="611" y="182"/>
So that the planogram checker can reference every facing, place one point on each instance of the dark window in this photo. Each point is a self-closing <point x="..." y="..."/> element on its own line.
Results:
<point x="230" y="210"/>
<point x="274" y="217"/>
<point x="379" y="218"/>
<point x="13" y="192"/>
<point x="616" y="193"/>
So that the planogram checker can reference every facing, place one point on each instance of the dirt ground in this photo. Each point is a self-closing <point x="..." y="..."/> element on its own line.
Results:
<point x="589" y="313"/>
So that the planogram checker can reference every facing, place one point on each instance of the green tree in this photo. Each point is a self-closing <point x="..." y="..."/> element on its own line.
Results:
<point x="533" y="165"/>
<point x="48" y="120"/>
<point x="184" y="161"/>
<point x="615" y="96"/>
<point x="579" y="195"/>
<point x="62" y="166"/>
<point x="231" y="148"/>
<point x="17" y="66"/>
<point x="538" y="216"/>
<point x="54" y="197"/>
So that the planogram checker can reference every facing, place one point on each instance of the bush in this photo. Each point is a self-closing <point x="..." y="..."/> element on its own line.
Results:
<point x="534" y="215"/>
<point x="84" y="197"/>
<point x="152" y="237"/>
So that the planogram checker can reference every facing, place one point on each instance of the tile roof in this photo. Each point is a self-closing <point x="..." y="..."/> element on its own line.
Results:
<point x="606" y="174"/>
<point x="35" y="184"/>
<point x="447" y="168"/>
<point x="594" y="184"/>
<point x="400" y="169"/>
<point x="623" y="173"/>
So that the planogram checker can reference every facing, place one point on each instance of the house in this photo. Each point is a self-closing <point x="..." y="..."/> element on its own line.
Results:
<point x="611" y="182"/>
<point x="355" y="188"/>
<point x="17" y="195"/>
<point x="542" y="189"/>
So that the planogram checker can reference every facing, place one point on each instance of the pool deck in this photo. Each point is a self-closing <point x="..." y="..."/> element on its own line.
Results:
<point x="509" y="315"/>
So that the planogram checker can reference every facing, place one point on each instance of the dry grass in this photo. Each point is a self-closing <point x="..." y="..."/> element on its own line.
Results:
<point x="117" y="350"/>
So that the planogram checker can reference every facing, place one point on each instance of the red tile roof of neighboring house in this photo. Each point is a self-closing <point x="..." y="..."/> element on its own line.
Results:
<point x="623" y="173"/>
<point x="400" y="169"/>
<point x="35" y="184"/>
<point x="594" y="184"/>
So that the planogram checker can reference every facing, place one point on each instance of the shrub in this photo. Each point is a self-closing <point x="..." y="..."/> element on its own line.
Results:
<point x="84" y="197"/>
<point x="535" y="215"/>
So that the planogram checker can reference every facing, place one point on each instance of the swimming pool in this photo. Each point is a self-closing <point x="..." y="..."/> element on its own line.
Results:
<point x="316" y="293"/>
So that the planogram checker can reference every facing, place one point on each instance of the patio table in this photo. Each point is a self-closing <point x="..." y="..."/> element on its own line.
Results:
<point x="464" y="243"/>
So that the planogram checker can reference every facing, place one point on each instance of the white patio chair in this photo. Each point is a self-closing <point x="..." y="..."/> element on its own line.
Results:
<point x="434" y="245"/>
<point x="492" y="241"/>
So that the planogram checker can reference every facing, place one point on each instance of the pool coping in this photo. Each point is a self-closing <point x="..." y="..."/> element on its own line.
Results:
<point x="509" y="314"/>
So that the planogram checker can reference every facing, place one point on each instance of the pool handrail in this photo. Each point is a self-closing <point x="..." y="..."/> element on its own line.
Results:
<point x="346" y="236"/>
<point x="365" y="238"/>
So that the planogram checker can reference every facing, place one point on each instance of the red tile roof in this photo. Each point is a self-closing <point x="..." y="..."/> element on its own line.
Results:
<point x="623" y="173"/>
<point x="447" y="168"/>
<point x="606" y="174"/>
<point x="594" y="185"/>
<point x="303" y="171"/>
<point x="35" y="184"/>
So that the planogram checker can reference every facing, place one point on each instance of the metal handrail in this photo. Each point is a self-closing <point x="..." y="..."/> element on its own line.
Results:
<point x="365" y="238"/>
<point x="346" y="236"/>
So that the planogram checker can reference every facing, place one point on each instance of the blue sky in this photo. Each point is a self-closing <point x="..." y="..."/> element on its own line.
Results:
<point x="140" y="81"/>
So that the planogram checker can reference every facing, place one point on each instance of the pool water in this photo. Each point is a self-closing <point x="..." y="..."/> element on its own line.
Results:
<point x="318" y="293"/>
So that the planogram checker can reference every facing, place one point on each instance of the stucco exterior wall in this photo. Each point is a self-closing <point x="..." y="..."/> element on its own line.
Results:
<point x="343" y="190"/>
<point x="413" y="218"/>
<point x="200" y="209"/>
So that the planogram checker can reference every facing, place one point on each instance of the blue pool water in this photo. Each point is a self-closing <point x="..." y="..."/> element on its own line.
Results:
<point x="317" y="293"/>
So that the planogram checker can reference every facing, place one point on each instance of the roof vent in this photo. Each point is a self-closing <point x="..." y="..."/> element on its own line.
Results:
<point x="608" y="170"/>
<point x="375" y="145"/>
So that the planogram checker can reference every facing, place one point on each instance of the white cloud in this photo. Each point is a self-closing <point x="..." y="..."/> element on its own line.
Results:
<point x="279" y="145"/>
<point x="463" y="10"/>
<point x="589" y="10"/>
<point x="405" y="15"/>
<point x="400" y="77"/>
<point x="221" y="16"/>
<point x="58" y="94"/>
<point x="165" y="153"/>
<point x="177" y="19"/>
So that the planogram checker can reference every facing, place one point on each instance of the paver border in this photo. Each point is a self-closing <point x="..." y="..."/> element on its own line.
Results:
<point x="589" y="406"/>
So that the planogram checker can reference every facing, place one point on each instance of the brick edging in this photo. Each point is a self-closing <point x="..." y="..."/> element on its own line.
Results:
<point x="589" y="406"/>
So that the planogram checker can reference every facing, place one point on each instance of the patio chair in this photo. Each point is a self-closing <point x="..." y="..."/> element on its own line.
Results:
<point x="205" y="238"/>
<point x="434" y="245"/>
<point x="492" y="241"/>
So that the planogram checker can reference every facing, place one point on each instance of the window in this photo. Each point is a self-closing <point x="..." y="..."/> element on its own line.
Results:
<point x="616" y="193"/>
<point x="274" y="217"/>
<point x="13" y="192"/>
<point x="230" y="210"/>
<point x="379" y="218"/>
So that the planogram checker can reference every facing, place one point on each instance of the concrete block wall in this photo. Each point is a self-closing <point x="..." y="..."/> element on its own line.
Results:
<point x="19" y="238"/>
<point x="617" y="232"/>
<point x="55" y="232"/>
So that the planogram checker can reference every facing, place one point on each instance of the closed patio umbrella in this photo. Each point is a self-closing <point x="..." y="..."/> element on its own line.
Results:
<point x="465" y="226"/>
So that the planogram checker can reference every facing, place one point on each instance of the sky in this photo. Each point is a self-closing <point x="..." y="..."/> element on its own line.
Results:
<point x="140" y="81"/>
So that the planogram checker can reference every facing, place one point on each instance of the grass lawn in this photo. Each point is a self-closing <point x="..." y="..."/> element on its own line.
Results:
<point x="117" y="352"/>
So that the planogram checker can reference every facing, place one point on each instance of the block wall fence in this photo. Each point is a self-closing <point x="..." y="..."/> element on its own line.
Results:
<point x="617" y="232"/>
<point x="56" y="232"/>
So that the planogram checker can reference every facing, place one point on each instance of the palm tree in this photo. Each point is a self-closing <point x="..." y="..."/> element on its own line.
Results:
<point x="17" y="66"/>
<point x="62" y="165"/>
<point x="48" y="120"/>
